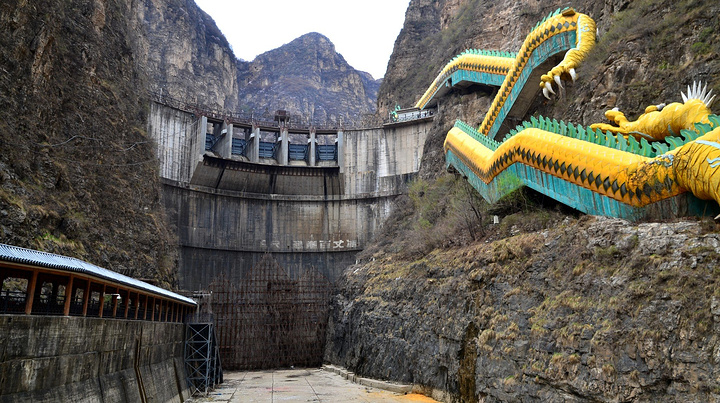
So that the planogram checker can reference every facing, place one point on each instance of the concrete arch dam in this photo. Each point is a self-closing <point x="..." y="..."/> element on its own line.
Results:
<point x="232" y="202"/>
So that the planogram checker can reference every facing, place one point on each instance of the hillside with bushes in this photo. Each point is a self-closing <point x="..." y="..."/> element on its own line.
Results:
<point x="548" y="304"/>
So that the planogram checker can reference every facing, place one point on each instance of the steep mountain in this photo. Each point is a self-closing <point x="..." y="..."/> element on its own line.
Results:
<point x="188" y="58"/>
<point x="306" y="77"/>
<point x="548" y="305"/>
<point x="185" y="55"/>
<point x="78" y="172"/>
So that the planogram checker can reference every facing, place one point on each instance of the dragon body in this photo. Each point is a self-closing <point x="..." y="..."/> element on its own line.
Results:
<point x="619" y="169"/>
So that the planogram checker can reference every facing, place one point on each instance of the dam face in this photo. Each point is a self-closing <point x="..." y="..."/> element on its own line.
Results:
<point x="311" y="197"/>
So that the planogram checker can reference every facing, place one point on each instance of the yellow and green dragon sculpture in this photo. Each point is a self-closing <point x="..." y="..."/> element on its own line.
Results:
<point x="663" y="164"/>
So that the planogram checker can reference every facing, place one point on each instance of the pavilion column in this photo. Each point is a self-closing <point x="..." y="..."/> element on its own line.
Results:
<point x="86" y="298"/>
<point x="102" y="301"/>
<point x="68" y="295"/>
<point x="31" y="293"/>
<point x="115" y="302"/>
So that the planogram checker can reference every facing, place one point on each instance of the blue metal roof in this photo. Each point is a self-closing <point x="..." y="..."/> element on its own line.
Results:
<point x="15" y="254"/>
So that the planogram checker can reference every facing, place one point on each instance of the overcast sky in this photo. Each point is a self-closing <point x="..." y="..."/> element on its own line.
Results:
<point x="363" y="32"/>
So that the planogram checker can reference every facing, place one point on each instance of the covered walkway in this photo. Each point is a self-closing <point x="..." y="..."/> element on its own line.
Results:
<point x="39" y="283"/>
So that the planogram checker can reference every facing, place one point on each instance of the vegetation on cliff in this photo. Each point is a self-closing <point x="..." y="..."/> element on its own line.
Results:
<point x="77" y="169"/>
<point x="547" y="305"/>
<point x="588" y="309"/>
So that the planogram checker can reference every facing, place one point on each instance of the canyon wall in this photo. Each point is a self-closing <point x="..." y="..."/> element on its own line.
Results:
<point x="547" y="305"/>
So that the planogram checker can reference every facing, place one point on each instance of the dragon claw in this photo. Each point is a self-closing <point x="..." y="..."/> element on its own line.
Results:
<point x="549" y="87"/>
<point x="558" y="81"/>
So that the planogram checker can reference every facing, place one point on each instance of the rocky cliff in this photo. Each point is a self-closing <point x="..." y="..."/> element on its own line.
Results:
<point x="548" y="305"/>
<point x="589" y="309"/>
<point x="77" y="170"/>
<point x="188" y="58"/>
<point x="185" y="55"/>
<point x="307" y="77"/>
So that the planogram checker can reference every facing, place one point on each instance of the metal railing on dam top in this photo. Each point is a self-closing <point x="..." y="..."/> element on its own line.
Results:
<point x="295" y="122"/>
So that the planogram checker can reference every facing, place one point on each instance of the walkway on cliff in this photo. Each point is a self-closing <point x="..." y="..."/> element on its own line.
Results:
<point x="300" y="385"/>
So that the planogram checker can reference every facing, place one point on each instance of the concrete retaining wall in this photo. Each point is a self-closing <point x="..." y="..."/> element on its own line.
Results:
<point x="72" y="359"/>
<point x="180" y="138"/>
<point x="227" y="232"/>
<point x="379" y="161"/>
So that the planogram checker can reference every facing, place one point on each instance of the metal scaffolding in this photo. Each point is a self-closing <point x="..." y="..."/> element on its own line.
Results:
<point x="202" y="361"/>
<point x="268" y="320"/>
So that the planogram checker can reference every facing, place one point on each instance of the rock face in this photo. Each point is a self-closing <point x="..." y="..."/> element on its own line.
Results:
<point x="594" y="309"/>
<point x="188" y="58"/>
<point x="586" y="310"/>
<point x="77" y="170"/>
<point x="307" y="77"/>
<point x="185" y="55"/>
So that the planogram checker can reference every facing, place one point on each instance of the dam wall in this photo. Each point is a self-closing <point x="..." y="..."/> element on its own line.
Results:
<point x="81" y="359"/>
<point x="229" y="212"/>
<point x="227" y="232"/>
<point x="180" y="141"/>
<point x="381" y="160"/>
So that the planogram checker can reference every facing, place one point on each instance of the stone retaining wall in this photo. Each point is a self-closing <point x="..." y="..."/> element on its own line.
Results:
<point x="72" y="359"/>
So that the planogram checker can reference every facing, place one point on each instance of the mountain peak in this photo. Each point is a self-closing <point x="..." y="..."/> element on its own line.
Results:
<point x="308" y="77"/>
<point x="316" y="36"/>
<point x="313" y="40"/>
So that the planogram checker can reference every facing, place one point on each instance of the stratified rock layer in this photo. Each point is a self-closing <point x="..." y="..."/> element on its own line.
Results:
<point x="590" y="310"/>
<point x="593" y="310"/>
